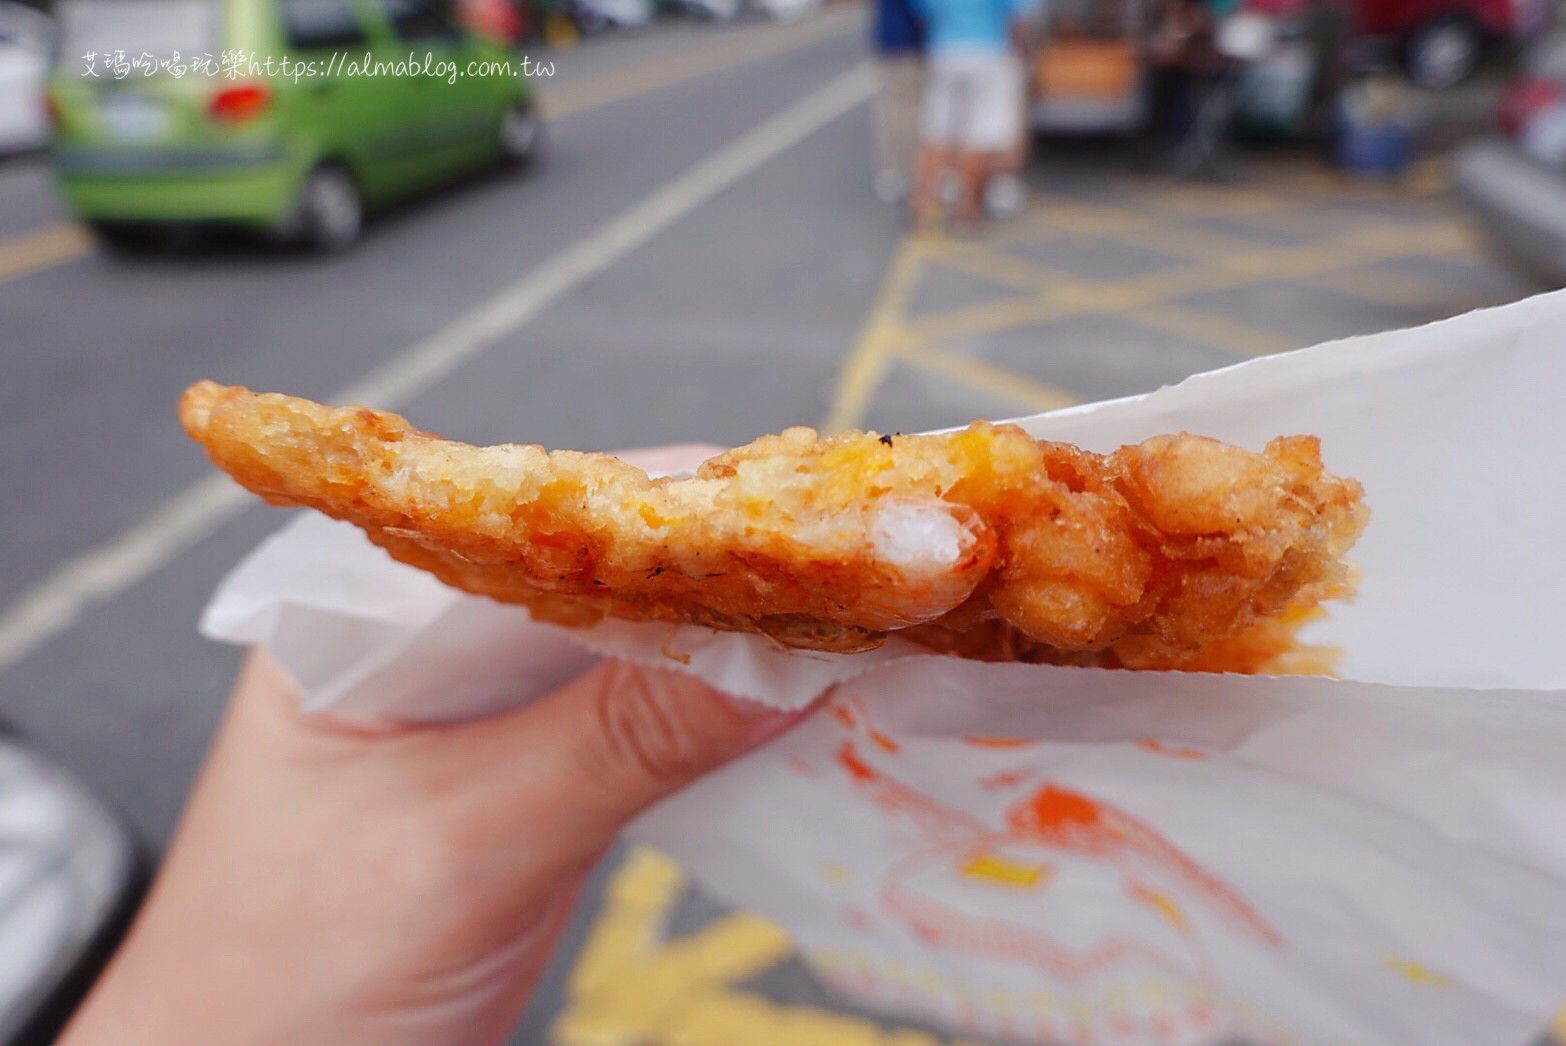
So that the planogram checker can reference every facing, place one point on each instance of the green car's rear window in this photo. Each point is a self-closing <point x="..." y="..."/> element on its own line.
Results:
<point x="155" y="27"/>
<point x="320" y="23"/>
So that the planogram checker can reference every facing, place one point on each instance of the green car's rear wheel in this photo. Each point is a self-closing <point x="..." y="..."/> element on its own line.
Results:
<point x="127" y="237"/>
<point x="330" y="212"/>
<point x="521" y="136"/>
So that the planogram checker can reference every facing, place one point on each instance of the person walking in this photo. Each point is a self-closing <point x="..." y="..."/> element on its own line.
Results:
<point x="897" y="39"/>
<point x="971" y="114"/>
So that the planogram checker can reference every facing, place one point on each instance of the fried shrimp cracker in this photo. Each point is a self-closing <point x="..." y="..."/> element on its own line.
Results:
<point x="1269" y="645"/>
<point x="1153" y="553"/>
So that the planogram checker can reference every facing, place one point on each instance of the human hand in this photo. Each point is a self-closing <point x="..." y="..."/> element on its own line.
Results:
<point x="336" y="883"/>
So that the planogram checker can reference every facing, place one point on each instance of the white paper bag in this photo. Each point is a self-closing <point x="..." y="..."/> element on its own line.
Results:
<point x="1078" y="855"/>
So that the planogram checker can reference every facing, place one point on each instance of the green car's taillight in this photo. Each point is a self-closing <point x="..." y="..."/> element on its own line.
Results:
<point x="240" y="103"/>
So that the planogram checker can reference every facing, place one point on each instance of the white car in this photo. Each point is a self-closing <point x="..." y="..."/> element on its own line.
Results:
<point x="70" y="876"/>
<point x="25" y="39"/>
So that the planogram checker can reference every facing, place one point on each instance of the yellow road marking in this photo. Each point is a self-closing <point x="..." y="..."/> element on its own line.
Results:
<point x="1215" y="262"/>
<point x="986" y="377"/>
<point x="637" y="900"/>
<point x="1215" y="201"/>
<point x="866" y="363"/>
<point x="1159" y="219"/>
<point x="1085" y="218"/>
<point x="1403" y="289"/>
<point x="740" y="1019"/>
<point x="31" y="252"/>
<point x="1380" y="285"/>
<point x="1313" y="182"/>
<point x="1429" y="177"/>
<point x="1187" y="241"/>
<point x="627" y="980"/>
<point x="999" y="267"/>
<point x="631" y="987"/>
<point x="736" y="48"/>
<point x="1221" y="332"/>
<point x="1224" y="273"/>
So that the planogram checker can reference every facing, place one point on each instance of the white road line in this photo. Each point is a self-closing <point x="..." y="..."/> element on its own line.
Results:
<point x="58" y="602"/>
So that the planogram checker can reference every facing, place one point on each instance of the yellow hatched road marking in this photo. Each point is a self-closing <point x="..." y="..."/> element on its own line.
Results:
<point x="1428" y="177"/>
<point x="741" y="1019"/>
<point x="1380" y="285"/>
<point x="1160" y="220"/>
<point x="1187" y="241"/>
<point x="631" y="987"/>
<point x="1216" y="202"/>
<point x="1399" y="288"/>
<point x="41" y="249"/>
<point x="637" y="901"/>
<point x="999" y="267"/>
<point x="867" y="362"/>
<point x="1029" y="227"/>
<point x="1229" y="270"/>
<point x="1223" y="273"/>
<point x="1215" y="262"/>
<point x="1001" y="382"/>
<point x="1221" y="332"/>
<point x="1085" y="218"/>
<point x="1311" y="183"/>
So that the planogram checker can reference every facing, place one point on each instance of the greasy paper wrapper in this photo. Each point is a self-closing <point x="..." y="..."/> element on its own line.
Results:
<point x="1061" y="854"/>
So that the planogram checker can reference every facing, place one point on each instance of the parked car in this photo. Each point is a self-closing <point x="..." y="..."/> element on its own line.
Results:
<point x="592" y="16"/>
<point x="1091" y="75"/>
<point x="716" y="10"/>
<point x="788" y="10"/>
<point x="1514" y="183"/>
<point x="1442" y="41"/>
<point x="71" y="874"/>
<point x="25" y="40"/>
<point x="501" y="20"/>
<point x="299" y="155"/>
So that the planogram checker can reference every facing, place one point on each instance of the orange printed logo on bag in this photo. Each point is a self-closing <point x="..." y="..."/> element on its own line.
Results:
<point x="1075" y="888"/>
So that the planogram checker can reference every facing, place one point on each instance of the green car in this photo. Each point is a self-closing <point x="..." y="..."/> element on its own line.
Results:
<point x="287" y="116"/>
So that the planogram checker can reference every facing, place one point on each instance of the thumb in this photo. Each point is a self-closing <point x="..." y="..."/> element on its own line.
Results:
<point x="608" y="745"/>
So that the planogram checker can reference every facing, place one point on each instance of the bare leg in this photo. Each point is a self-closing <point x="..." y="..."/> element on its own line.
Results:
<point x="925" y="202"/>
<point x="973" y="170"/>
<point x="896" y="113"/>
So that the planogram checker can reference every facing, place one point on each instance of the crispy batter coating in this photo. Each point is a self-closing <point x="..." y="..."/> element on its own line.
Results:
<point x="1146" y="557"/>
<point x="1270" y="646"/>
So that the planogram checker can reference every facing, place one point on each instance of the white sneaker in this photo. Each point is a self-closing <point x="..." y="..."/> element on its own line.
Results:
<point x="1004" y="196"/>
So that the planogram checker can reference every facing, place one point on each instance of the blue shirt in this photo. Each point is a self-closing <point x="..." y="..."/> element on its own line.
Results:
<point x="970" y="25"/>
<point x="895" y="29"/>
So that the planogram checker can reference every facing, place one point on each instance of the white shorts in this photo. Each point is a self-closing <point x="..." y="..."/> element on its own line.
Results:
<point x="972" y="101"/>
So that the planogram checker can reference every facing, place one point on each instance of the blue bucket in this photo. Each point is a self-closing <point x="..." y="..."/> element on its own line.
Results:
<point x="1381" y="149"/>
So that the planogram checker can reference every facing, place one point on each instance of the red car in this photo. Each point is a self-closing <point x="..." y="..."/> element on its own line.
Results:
<point x="500" y="20"/>
<point x="1443" y="40"/>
